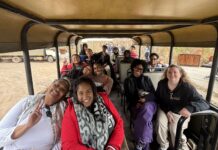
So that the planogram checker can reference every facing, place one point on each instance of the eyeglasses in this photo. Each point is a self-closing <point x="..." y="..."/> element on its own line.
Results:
<point x="48" y="111"/>
<point x="137" y="68"/>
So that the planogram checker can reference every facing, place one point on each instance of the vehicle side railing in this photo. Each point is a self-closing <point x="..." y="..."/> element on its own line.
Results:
<point x="182" y="120"/>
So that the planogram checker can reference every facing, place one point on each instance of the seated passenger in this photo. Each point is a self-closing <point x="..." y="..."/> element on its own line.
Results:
<point x="154" y="64"/>
<point x="73" y="70"/>
<point x="88" y="71"/>
<point x="84" y="48"/>
<point x="35" y="121"/>
<point x="114" y="55"/>
<point x="176" y="97"/>
<point x="90" y="59"/>
<point x="127" y="58"/>
<point x="91" y="121"/>
<point x="139" y="92"/>
<point x="133" y="53"/>
<point x="103" y="56"/>
<point x="101" y="79"/>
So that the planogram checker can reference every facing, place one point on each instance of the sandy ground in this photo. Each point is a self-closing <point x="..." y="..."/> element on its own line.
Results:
<point x="13" y="81"/>
<point x="13" y="84"/>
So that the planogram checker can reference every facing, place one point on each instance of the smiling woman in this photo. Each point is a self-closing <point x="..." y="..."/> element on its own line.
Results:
<point x="176" y="97"/>
<point x="39" y="114"/>
<point x="91" y="121"/>
<point x="139" y="92"/>
<point x="101" y="79"/>
<point x="145" y="25"/>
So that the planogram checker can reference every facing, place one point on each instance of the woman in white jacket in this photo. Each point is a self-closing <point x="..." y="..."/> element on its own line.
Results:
<point x="35" y="121"/>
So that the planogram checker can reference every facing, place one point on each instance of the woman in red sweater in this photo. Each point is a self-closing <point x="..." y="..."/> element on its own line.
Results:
<point x="91" y="121"/>
<point x="75" y="65"/>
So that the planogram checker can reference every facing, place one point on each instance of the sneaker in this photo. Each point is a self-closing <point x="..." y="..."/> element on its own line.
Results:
<point x="142" y="146"/>
<point x="139" y="146"/>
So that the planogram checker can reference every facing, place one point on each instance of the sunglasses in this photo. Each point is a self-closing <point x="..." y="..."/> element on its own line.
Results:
<point x="48" y="111"/>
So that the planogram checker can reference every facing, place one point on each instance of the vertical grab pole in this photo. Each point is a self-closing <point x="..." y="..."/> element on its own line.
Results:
<point x="152" y="43"/>
<point x="171" y="46"/>
<point x="69" y="46"/>
<point x="139" y="41"/>
<point x="57" y="53"/>
<point x="214" y="69"/>
<point x="76" y="43"/>
<point x="24" y="47"/>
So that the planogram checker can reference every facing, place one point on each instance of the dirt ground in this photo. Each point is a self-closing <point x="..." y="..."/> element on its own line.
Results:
<point x="13" y="84"/>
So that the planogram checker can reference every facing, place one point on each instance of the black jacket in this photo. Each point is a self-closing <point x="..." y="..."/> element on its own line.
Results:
<point x="104" y="59"/>
<point x="184" y="95"/>
<point x="133" y="84"/>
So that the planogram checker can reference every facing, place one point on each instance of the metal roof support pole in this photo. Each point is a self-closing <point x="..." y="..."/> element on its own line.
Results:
<point x="214" y="69"/>
<point x="140" y="46"/>
<point x="171" y="46"/>
<point x="113" y="35"/>
<point x="24" y="47"/>
<point x="152" y="43"/>
<point x="133" y="32"/>
<point x="57" y="53"/>
<point x="69" y="45"/>
<point x="76" y="43"/>
<point x="122" y="21"/>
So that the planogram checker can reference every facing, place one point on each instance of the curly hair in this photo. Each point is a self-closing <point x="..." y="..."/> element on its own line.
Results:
<point x="137" y="62"/>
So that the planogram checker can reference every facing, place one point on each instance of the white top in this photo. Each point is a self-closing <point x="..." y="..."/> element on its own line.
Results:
<point x="39" y="137"/>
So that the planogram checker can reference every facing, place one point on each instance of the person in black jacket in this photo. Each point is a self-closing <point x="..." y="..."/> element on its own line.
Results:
<point x="139" y="92"/>
<point x="127" y="58"/>
<point x="176" y="97"/>
<point x="90" y="57"/>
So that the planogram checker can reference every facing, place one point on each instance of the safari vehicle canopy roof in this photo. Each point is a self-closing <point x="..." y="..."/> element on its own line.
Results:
<point x="152" y="22"/>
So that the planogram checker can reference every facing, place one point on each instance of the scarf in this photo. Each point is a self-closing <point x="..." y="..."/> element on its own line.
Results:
<point x="95" y="126"/>
<point x="57" y="111"/>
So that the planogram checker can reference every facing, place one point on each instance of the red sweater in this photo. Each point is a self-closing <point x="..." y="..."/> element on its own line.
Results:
<point x="68" y="67"/>
<point x="70" y="135"/>
<point x="134" y="55"/>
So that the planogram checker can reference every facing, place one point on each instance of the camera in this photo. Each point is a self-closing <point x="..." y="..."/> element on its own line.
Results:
<point x="142" y="93"/>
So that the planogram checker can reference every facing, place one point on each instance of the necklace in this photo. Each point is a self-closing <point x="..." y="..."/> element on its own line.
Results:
<point x="48" y="111"/>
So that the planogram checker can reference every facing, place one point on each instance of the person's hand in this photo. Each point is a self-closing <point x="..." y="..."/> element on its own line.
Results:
<point x="142" y="100"/>
<point x="184" y="112"/>
<point x="65" y="62"/>
<point x="35" y="116"/>
<point x="138" y="105"/>
<point x="104" y="65"/>
<point x="170" y="117"/>
<point x="109" y="148"/>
